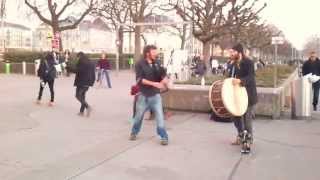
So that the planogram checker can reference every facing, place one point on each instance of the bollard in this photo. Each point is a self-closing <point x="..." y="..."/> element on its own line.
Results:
<point x="130" y="62"/>
<point x="7" y="67"/>
<point x="24" y="68"/>
<point x="36" y="66"/>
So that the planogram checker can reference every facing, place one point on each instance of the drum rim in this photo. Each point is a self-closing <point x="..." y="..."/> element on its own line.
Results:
<point x="211" y="104"/>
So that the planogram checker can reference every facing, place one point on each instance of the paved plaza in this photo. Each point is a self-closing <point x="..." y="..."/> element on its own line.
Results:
<point x="53" y="143"/>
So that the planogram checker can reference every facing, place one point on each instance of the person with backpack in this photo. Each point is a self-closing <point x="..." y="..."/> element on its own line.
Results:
<point x="47" y="74"/>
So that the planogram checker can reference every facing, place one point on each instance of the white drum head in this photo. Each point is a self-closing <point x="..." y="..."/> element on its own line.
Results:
<point x="235" y="98"/>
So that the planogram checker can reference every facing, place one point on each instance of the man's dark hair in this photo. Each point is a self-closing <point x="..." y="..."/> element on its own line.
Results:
<point x="147" y="49"/>
<point x="80" y="54"/>
<point x="82" y="57"/>
<point x="49" y="57"/>
<point x="239" y="48"/>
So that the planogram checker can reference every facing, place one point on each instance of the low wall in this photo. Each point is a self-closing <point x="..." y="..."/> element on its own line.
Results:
<point x="271" y="101"/>
<point x="16" y="68"/>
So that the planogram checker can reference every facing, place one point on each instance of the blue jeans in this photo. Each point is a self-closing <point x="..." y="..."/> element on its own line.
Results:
<point x="144" y="104"/>
<point x="316" y="89"/>
<point x="245" y="122"/>
<point x="106" y="73"/>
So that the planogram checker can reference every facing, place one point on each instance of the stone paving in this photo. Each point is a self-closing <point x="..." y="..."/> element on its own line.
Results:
<point x="53" y="143"/>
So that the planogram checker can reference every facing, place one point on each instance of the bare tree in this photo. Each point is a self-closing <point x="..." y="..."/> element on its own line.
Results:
<point x="56" y="14"/>
<point x="312" y="44"/>
<point x="242" y="15"/>
<point x="118" y="13"/>
<point x="211" y="18"/>
<point x="139" y="11"/>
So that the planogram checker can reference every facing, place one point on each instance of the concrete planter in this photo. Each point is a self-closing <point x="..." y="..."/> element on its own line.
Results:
<point x="272" y="101"/>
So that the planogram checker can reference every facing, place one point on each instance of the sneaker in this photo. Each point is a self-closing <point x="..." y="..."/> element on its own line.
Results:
<point x="50" y="104"/>
<point x="246" y="149"/>
<point x="314" y="107"/>
<point x="133" y="137"/>
<point x="164" y="142"/>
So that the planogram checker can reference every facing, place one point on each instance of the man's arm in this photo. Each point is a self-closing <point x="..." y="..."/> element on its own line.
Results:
<point x="248" y="79"/>
<point x="140" y="77"/>
<point x="158" y="85"/>
<point x="304" y="69"/>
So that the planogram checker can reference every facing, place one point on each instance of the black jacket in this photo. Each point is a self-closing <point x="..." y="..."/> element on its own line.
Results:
<point x="152" y="72"/>
<point x="47" y="70"/>
<point x="245" y="72"/>
<point x="311" y="67"/>
<point x="85" y="74"/>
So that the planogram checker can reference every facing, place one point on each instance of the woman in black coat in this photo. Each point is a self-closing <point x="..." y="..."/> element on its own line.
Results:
<point x="47" y="74"/>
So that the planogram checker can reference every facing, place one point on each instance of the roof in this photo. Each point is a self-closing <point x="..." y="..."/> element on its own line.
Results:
<point x="158" y="18"/>
<point x="95" y="24"/>
<point x="18" y="26"/>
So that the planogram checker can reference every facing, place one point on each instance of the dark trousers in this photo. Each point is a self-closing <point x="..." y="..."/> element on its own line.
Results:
<point x="245" y="122"/>
<point x="316" y="88"/>
<point x="81" y="97"/>
<point x="51" y="85"/>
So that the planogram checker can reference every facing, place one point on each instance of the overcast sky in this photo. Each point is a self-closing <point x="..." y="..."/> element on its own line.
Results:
<point x="297" y="19"/>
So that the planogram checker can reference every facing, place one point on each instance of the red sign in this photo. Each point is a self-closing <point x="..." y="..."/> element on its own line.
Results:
<point x="57" y="35"/>
<point x="56" y="41"/>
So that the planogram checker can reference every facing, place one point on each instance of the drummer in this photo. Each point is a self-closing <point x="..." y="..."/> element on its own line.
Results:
<point x="242" y="70"/>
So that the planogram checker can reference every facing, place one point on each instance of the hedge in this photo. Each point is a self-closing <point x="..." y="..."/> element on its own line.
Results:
<point x="30" y="56"/>
<point x="20" y="56"/>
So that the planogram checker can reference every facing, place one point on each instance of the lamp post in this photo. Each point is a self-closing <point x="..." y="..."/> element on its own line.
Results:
<point x="276" y="41"/>
<point x="2" y="14"/>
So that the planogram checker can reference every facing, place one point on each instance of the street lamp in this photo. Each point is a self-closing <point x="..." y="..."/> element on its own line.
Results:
<point x="2" y="14"/>
<point x="276" y="41"/>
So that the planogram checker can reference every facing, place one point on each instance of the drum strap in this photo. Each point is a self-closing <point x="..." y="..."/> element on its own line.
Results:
<point x="233" y="72"/>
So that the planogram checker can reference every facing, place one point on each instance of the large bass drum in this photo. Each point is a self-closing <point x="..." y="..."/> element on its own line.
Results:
<point x="228" y="100"/>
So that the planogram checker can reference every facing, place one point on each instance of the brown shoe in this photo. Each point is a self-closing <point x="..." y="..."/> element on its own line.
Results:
<point x="164" y="142"/>
<point x="38" y="102"/>
<point x="237" y="142"/>
<point x="133" y="137"/>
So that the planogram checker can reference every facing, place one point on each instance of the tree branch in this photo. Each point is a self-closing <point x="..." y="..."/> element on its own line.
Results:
<point x="68" y="3"/>
<point x="73" y="26"/>
<point x="38" y="13"/>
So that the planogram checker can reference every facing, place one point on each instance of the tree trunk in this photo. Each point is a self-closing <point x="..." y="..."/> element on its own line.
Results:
<point x="206" y="51"/>
<point x="137" y="43"/>
<point x="222" y="52"/>
<point x="184" y="37"/>
<point x="55" y="29"/>
<point x="60" y="44"/>
<point x="120" y="47"/>
<point x="212" y="49"/>
<point x="206" y="54"/>
<point x="183" y="43"/>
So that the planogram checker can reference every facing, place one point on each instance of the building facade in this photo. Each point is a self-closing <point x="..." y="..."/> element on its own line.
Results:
<point x="90" y="36"/>
<point x="16" y="36"/>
